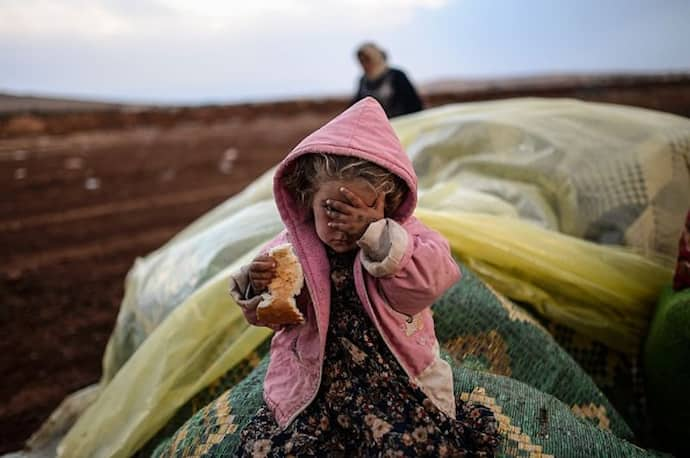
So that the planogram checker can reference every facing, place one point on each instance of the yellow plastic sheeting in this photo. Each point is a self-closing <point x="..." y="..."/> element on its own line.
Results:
<point x="607" y="173"/>
<point x="195" y="345"/>
<point x="605" y="292"/>
<point x="160" y="282"/>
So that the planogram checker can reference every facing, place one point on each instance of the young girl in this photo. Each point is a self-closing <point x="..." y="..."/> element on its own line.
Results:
<point x="362" y="376"/>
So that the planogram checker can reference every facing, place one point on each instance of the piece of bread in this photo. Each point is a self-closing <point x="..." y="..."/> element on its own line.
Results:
<point x="278" y="303"/>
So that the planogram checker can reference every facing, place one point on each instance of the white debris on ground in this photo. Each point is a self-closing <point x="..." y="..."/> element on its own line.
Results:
<point x="92" y="183"/>
<point x="20" y="174"/>
<point x="226" y="162"/>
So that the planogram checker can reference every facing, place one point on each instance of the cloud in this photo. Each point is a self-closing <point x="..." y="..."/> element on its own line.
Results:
<point x="43" y="18"/>
<point x="103" y="19"/>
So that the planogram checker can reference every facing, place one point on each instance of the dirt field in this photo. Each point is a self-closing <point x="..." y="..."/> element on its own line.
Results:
<point x="84" y="194"/>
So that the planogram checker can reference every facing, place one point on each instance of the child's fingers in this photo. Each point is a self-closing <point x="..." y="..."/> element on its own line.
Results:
<point x="264" y="258"/>
<point x="263" y="266"/>
<point x="353" y="198"/>
<point x="339" y="207"/>
<point x="380" y="202"/>
<point x="341" y="226"/>
<point x="262" y="275"/>
<point x="263" y="261"/>
<point x="338" y="216"/>
<point x="260" y="284"/>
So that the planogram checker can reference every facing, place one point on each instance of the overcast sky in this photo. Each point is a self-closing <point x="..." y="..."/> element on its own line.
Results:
<point x="196" y="51"/>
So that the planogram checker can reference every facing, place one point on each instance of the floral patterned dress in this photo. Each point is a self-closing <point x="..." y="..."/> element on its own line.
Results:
<point x="366" y="405"/>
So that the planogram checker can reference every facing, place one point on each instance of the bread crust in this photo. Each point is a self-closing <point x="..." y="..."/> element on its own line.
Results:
<point x="278" y="306"/>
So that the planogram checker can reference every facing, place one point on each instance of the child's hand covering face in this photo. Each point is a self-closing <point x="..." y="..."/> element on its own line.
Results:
<point x="343" y="210"/>
<point x="353" y="215"/>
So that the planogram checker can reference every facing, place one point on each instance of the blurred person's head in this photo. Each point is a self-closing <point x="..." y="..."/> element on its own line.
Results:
<point x="372" y="59"/>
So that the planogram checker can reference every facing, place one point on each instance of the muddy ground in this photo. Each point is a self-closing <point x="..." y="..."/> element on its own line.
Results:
<point x="84" y="194"/>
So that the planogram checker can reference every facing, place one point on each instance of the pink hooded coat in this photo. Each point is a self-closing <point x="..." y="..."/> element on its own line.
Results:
<point x="402" y="268"/>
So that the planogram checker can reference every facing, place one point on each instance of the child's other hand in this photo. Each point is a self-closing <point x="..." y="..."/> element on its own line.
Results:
<point x="353" y="215"/>
<point x="261" y="271"/>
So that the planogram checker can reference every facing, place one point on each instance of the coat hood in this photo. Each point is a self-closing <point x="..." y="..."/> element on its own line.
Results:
<point x="363" y="131"/>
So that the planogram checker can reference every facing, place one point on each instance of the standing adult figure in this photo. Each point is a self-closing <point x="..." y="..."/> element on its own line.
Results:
<point x="390" y="86"/>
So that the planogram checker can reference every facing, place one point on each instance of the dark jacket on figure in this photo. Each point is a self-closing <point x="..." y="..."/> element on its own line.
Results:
<point x="393" y="91"/>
